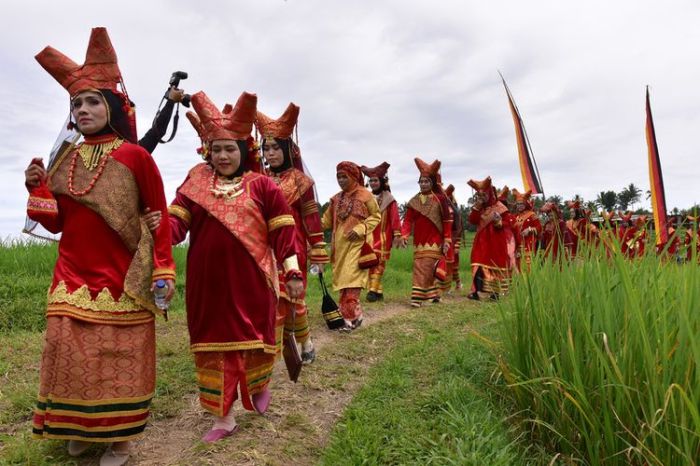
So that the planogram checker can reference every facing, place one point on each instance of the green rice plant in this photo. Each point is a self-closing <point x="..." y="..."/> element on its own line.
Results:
<point x="600" y="354"/>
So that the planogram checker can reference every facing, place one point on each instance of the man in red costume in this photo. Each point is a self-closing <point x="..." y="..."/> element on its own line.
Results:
<point x="287" y="170"/>
<point x="388" y="230"/>
<point x="493" y="252"/>
<point x="100" y="318"/>
<point x="240" y="225"/>
<point x="428" y="217"/>
<point x="527" y="228"/>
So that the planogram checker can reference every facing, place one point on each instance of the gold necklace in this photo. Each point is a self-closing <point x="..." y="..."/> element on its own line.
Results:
<point x="93" y="153"/>
<point x="225" y="188"/>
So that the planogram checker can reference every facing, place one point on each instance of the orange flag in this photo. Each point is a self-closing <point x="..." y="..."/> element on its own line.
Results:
<point x="656" y="180"/>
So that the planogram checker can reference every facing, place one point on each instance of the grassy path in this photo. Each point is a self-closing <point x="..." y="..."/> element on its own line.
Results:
<point x="304" y="418"/>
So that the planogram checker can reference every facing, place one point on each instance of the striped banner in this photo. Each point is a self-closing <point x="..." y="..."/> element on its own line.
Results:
<point x="528" y="167"/>
<point x="656" y="181"/>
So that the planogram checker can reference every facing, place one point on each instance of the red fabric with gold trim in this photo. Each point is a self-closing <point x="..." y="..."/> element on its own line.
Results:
<point x="100" y="70"/>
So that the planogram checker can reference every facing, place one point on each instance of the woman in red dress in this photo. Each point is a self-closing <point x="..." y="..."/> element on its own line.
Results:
<point x="387" y="232"/>
<point x="239" y="225"/>
<point x="98" y="364"/>
<point x="493" y="252"/>
<point x="287" y="170"/>
<point x="527" y="228"/>
<point x="428" y="216"/>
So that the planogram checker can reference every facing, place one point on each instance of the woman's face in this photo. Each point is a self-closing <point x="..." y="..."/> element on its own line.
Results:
<point x="343" y="181"/>
<point x="374" y="184"/>
<point x="89" y="111"/>
<point x="225" y="156"/>
<point x="520" y="207"/>
<point x="425" y="184"/>
<point x="273" y="153"/>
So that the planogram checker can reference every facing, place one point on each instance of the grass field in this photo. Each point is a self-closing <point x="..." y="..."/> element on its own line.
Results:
<point x="588" y="363"/>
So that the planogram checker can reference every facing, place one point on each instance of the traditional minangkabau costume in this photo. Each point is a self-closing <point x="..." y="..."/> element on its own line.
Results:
<point x="239" y="227"/>
<point x="384" y="234"/>
<point x="670" y="249"/>
<point x="298" y="189"/>
<point x="354" y="209"/>
<point x="428" y="216"/>
<point x="98" y="363"/>
<point x="493" y="252"/>
<point x="579" y="226"/>
<point x="527" y="228"/>
<point x="555" y="235"/>
<point x="627" y="235"/>
<point x="457" y="235"/>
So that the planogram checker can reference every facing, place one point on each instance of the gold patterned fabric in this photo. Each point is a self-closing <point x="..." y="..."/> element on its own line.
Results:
<point x="240" y="215"/>
<point x="115" y="198"/>
<point x="429" y="207"/>
<point x="96" y="382"/>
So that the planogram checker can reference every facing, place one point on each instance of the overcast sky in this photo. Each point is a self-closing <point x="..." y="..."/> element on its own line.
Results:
<point x="387" y="80"/>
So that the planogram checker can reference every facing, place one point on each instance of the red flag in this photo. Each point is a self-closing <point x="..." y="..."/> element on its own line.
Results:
<point x="528" y="167"/>
<point x="656" y="181"/>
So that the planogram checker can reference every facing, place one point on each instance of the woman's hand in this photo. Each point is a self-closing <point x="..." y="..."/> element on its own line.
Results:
<point x="35" y="173"/>
<point x="152" y="219"/>
<point x="170" y="284"/>
<point x="295" y="288"/>
<point x="445" y="248"/>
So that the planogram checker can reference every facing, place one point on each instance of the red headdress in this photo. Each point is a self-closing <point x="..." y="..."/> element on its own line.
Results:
<point x="626" y="217"/>
<point x="485" y="186"/>
<point x="432" y="170"/>
<point x="551" y="207"/>
<point x="281" y="128"/>
<point x="641" y="220"/>
<point x="233" y="122"/>
<point x="503" y="194"/>
<point x="377" y="172"/>
<point x="525" y="197"/>
<point x="607" y="216"/>
<point x="573" y="204"/>
<point x="352" y="170"/>
<point x="449" y="190"/>
<point x="100" y="72"/>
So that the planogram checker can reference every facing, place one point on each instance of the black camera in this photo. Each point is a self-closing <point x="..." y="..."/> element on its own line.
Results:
<point x="175" y="82"/>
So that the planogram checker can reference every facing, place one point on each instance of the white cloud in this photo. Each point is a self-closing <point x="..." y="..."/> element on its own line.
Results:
<point x="388" y="81"/>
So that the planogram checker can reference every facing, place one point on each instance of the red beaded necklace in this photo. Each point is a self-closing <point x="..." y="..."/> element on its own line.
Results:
<point x="113" y="144"/>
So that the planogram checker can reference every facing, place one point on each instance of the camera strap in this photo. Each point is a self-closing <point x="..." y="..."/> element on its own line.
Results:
<point x="176" y="118"/>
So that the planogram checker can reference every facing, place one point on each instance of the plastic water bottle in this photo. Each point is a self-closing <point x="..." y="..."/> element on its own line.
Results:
<point x="160" y="292"/>
<point x="314" y="269"/>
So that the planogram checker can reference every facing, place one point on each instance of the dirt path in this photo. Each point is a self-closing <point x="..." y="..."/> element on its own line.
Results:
<point x="297" y="424"/>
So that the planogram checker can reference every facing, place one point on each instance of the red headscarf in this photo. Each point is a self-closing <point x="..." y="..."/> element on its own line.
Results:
<point x="352" y="170"/>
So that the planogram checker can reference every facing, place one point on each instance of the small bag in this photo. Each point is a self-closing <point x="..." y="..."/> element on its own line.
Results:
<point x="329" y="308"/>
<point x="290" y="352"/>
<point x="368" y="258"/>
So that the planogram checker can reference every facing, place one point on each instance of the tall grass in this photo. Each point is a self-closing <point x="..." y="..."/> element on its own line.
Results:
<point x="601" y="356"/>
